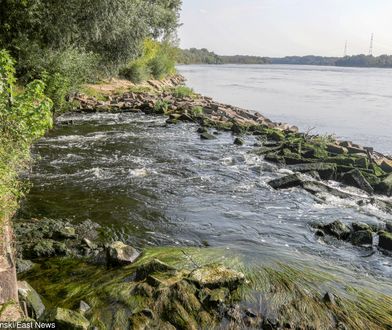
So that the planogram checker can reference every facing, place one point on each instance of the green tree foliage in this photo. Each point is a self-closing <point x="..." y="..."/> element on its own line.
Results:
<point x="156" y="60"/>
<point x="203" y="56"/>
<point x="79" y="39"/>
<point x="24" y="117"/>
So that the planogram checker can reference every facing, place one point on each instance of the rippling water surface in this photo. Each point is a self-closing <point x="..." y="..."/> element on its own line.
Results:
<point x="353" y="103"/>
<point x="153" y="184"/>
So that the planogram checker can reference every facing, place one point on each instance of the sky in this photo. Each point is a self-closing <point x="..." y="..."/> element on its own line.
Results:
<point x="287" y="27"/>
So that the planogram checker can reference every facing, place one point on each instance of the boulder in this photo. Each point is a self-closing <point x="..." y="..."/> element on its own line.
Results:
<point x="66" y="319"/>
<point x="385" y="187"/>
<point x="216" y="276"/>
<point x="385" y="240"/>
<point x="119" y="254"/>
<point x="285" y="182"/>
<point x="362" y="237"/>
<point x="327" y="171"/>
<point x="386" y="165"/>
<point x="30" y="297"/>
<point x="355" y="178"/>
<point x="337" y="229"/>
<point x="336" y="149"/>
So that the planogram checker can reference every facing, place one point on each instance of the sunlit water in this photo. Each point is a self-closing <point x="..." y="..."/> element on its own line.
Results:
<point x="152" y="184"/>
<point x="352" y="103"/>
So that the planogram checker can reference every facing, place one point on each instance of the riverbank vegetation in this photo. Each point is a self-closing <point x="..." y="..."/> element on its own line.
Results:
<point x="69" y="43"/>
<point x="25" y="115"/>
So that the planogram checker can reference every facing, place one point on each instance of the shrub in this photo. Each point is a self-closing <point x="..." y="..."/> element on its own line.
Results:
<point x="23" y="118"/>
<point x="161" y="107"/>
<point x="183" y="91"/>
<point x="136" y="72"/>
<point x="197" y="111"/>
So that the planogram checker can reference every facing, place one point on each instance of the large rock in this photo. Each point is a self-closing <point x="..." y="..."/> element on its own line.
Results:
<point x="30" y="297"/>
<point x="216" y="276"/>
<point x="386" y="165"/>
<point x="287" y="181"/>
<point x="119" y="254"/>
<point x="336" y="149"/>
<point x="385" y="187"/>
<point x="327" y="171"/>
<point x="362" y="237"/>
<point x="66" y="319"/>
<point x="337" y="229"/>
<point x="356" y="179"/>
<point x="385" y="241"/>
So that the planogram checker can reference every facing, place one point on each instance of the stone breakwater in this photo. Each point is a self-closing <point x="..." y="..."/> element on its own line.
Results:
<point x="323" y="157"/>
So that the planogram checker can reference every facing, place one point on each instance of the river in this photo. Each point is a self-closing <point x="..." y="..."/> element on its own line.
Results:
<point x="353" y="103"/>
<point x="150" y="184"/>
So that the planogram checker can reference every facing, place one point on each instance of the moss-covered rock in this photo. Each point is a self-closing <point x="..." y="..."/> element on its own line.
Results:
<point x="362" y="237"/>
<point x="31" y="298"/>
<point x="337" y="229"/>
<point x="385" y="240"/>
<point x="66" y="319"/>
<point x="385" y="187"/>
<point x="215" y="276"/>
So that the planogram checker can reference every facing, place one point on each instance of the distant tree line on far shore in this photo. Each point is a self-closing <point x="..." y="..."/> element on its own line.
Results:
<point x="204" y="56"/>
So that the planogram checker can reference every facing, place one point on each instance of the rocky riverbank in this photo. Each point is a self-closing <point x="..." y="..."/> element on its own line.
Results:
<point x="77" y="276"/>
<point x="323" y="157"/>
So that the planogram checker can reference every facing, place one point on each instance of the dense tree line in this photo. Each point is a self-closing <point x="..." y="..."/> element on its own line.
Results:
<point x="69" y="42"/>
<point x="204" y="56"/>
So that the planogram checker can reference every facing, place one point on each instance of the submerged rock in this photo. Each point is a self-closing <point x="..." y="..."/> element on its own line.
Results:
<point x="215" y="276"/>
<point x="32" y="300"/>
<point x="119" y="254"/>
<point x="356" y="179"/>
<point x="66" y="319"/>
<point x="385" y="187"/>
<point x="154" y="266"/>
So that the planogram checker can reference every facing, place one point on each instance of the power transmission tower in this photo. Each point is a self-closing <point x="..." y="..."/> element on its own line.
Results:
<point x="371" y="45"/>
<point x="345" y="49"/>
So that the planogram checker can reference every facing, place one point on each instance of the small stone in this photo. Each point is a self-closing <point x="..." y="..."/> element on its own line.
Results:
<point x="238" y="141"/>
<point x="329" y="298"/>
<point x="207" y="136"/>
<point x="84" y="307"/>
<point x="119" y="254"/>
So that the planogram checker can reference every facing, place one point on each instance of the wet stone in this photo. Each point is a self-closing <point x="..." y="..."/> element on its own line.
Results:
<point x="362" y="237"/>
<point x="119" y="254"/>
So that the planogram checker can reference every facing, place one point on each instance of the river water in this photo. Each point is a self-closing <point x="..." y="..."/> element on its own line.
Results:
<point x="352" y="103"/>
<point x="151" y="184"/>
